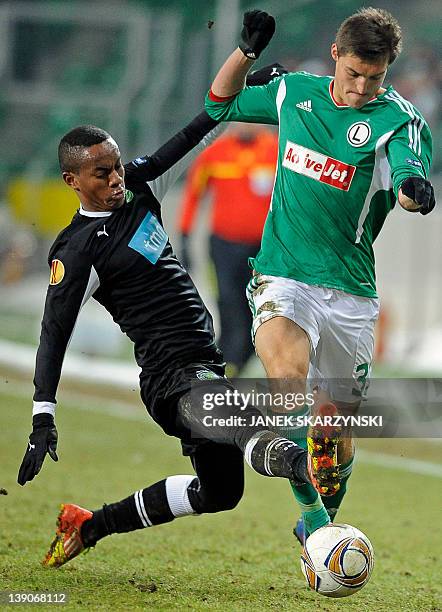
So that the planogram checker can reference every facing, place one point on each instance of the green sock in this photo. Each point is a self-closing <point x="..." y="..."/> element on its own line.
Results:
<point x="333" y="502"/>
<point x="313" y="511"/>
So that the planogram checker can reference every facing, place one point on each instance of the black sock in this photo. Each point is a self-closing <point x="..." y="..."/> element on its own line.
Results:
<point x="270" y="455"/>
<point x="265" y="451"/>
<point x="142" y="509"/>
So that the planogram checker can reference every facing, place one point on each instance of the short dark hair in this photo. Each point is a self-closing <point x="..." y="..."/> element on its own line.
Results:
<point x="72" y="144"/>
<point x="370" y="34"/>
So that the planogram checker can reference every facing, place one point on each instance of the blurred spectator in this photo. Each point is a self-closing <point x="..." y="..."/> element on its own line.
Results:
<point x="418" y="82"/>
<point x="315" y="65"/>
<point x="17" y="247"/>
<point x="238" y="171"/>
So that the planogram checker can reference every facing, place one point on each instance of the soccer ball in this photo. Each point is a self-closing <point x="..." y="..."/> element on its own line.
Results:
<point x="337" y="560"/>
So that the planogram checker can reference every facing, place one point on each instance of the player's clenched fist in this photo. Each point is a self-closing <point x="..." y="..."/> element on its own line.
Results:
<point x="258" y="29"/>
<point x="420" y="191"/>
<point x="42" y="440"/>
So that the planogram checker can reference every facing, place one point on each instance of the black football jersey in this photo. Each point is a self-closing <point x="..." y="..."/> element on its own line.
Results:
<point x="124" y="260"/>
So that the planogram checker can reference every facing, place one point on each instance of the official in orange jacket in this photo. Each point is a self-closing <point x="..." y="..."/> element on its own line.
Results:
<point x="238" y="173"/>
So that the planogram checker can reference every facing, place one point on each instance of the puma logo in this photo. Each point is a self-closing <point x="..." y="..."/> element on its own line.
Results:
<point x="31" y="446"/>
<point x="102" y="232"/>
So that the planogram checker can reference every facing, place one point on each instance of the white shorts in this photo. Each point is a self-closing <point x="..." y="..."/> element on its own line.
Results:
<point x="340" y="327"/>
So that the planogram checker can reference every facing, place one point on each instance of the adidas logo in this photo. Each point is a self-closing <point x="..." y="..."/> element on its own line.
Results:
<point x="306" y="105"/>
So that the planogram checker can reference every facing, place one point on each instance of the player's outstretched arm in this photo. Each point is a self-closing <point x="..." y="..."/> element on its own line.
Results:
<point x="72" y="281"/>
<point x="192" y="134"/>
<point x="150" y="167"/>
<point x="258" y="29"/>
<point x="162" y="168"/>
<point x="417" y="195"/>
<point x="42" y="441"/>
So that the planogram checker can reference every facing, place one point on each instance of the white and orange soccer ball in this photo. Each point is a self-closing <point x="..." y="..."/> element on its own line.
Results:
<point x="337" y="560"/>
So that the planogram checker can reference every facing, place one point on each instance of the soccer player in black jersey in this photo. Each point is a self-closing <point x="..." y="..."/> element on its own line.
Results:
<point x="117" y="251"/>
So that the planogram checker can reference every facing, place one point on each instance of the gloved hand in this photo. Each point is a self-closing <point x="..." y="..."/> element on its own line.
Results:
<point x="185" y="257"/>
<point x="257" y="32"/>
<point x="42" y="440"/>
<point x="265" y="75"/>
<point x="421" y="191"/>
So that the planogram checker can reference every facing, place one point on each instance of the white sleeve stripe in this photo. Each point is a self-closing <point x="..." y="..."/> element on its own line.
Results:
<point x="420" y="139"/>
<point x="406" y="108"/>
<point x="139" y="502"/>
<point x="418" y="124"/>
<point x="412" y="133"/>
<point x="415" y="124"/>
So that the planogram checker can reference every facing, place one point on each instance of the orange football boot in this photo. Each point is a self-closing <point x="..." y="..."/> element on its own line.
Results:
<point x="67" y="543"/>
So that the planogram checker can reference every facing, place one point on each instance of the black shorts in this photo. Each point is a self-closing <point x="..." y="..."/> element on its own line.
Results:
<point x="177" y="383"/>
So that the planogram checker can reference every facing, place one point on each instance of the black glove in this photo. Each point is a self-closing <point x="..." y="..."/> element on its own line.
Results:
<point x="185" y="257"/>
<point x="421" y="191"/>
<point x="42" y="440"/>
<point x="257" y="32"/>
<point x="265" y="75"/>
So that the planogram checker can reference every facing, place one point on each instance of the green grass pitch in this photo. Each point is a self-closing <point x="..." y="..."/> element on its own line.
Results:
<point x="245" y="559"/>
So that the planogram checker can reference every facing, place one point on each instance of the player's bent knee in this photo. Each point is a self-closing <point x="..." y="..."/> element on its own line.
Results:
<point x="286" y="370"/>
<point x="284" y="362"/>
<point x="233" y="500"/>
<point x="221" y="503"/>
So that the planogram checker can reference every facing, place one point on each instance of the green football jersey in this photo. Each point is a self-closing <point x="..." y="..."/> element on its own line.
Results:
<point x="338" y="174"/>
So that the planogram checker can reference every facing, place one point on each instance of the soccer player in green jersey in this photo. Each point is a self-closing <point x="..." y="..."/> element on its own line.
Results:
<point x="348" y="149"/>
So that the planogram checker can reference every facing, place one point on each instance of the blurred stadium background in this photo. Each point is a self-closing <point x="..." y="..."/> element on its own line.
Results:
<point x="140" y="70"/>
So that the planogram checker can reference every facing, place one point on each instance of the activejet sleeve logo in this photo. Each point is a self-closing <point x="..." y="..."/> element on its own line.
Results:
<point x="317" y="166"/>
